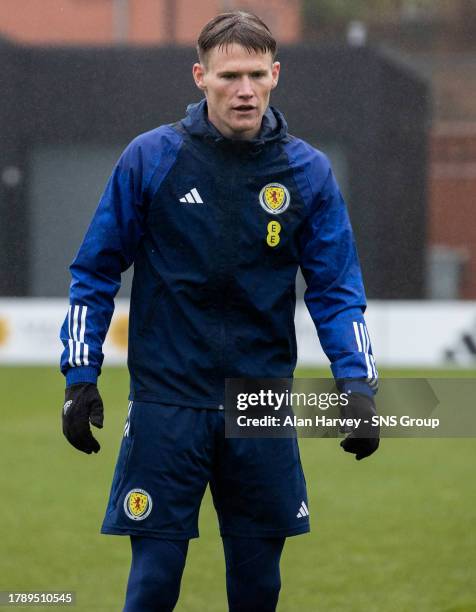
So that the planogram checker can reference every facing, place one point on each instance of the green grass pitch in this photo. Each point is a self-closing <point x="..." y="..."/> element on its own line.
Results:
<point x="395" y="532"/>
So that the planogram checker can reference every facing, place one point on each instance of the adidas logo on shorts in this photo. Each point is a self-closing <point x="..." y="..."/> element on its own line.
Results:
<point x="303" y="511"/>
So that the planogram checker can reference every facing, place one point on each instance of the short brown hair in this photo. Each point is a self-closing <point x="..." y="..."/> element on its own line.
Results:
<point x="238" y="27"/>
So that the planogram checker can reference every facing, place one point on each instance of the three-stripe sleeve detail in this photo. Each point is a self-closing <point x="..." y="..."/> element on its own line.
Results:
<point x="77" y="347"/>
<point x="362" y="339"/>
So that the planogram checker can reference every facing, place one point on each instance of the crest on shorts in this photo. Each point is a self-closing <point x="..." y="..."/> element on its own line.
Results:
<point x="137" y="504"/>
<point x="274" y="198"/>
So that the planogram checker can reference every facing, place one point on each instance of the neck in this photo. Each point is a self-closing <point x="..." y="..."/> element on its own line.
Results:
<point x="230" y="134"/>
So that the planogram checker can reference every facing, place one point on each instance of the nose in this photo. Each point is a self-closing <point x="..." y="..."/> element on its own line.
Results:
<point x="245" y="90"/>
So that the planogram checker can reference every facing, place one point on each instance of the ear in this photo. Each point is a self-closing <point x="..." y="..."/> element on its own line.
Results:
<point x="275" y="73"/>
<point x="198" y="72"/>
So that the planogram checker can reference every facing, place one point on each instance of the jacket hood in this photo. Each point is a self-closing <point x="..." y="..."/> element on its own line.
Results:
<point x="196" y="123"/>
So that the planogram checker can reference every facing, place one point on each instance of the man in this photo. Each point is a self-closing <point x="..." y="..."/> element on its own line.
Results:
<point x="216" y="212"/>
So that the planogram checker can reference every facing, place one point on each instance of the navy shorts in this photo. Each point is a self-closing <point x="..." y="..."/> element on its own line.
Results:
<point x="168" y="456"/>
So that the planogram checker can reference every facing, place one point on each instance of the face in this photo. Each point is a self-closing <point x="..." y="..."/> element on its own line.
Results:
<point x="237" y="85"/>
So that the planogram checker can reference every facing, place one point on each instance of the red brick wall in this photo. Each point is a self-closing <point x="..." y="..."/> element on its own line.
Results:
<point x="192" y="16"/>
<point x="84" y="22"/>
<point x="57" y="21"/>
<point x="452" y="194"/>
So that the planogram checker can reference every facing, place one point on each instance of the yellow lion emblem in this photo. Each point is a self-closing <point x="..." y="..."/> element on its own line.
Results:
<point x="137" y="504"/>
<point x="274" y="198"/>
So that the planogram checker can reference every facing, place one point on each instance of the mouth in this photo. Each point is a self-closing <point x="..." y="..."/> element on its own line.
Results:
<point x="244" y="108"/>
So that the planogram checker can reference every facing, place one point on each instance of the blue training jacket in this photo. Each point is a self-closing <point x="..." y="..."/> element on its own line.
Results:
<point x="216" y="230"/>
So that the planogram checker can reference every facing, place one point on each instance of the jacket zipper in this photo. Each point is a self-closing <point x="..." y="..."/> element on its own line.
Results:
<point x="227" y="240"/>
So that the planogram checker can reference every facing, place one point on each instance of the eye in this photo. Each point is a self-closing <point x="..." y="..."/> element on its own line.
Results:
<point x="229" y="77"/>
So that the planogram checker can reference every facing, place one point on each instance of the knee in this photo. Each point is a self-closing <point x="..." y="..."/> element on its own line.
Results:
<point x="253" y="577"/>
<point x="156" y="573"/>
<point x="152" y="592"/>
<point x="257" y="594"/>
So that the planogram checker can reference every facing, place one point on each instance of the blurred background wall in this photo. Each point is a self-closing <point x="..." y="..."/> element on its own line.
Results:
<point x="133" y="22"/>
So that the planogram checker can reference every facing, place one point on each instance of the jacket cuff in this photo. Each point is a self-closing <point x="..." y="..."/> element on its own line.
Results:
<point x="82" y="374"/>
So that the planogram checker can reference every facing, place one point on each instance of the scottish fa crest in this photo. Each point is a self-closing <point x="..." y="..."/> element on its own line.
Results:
<point x="274" y="198"/>
<point x="137" y="504"/>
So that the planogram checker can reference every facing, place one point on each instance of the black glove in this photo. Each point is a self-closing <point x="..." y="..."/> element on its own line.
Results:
<point x="82" y="405"/>
<point x="364" y="439"/>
